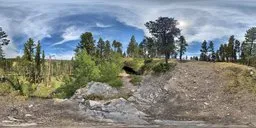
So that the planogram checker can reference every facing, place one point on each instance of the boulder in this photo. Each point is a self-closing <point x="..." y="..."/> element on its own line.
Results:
<point x="95" y="90"/>
<point x="115" y="110"/>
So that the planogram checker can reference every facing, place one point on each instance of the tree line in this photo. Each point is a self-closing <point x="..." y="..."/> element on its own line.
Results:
<point x="233" y="51"/>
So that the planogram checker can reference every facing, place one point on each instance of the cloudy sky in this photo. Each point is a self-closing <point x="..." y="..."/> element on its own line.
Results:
<point x="59" y="23"/>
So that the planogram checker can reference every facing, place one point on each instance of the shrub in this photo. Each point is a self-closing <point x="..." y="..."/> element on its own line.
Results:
<point x="110" y="70"/>
<point x="148" y="60"/>
<point x="116" y="82"/>
<point x="163" y="67"/>
<point x="135" y="63"/>
<point x="135" y="79"/>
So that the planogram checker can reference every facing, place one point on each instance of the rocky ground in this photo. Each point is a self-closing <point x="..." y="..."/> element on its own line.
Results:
<point x="190" y="96"/>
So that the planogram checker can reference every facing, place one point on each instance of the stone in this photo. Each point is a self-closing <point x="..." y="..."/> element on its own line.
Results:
<point x="95" y="90"/>
<point x="115" y="110"/>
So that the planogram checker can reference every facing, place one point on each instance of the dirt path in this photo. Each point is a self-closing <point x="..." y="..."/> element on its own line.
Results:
<point x="127" y="87"/>
<point x="195" y="91"/>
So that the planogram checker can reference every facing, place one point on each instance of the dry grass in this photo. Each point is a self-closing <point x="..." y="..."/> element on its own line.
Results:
<point x="238" y="77"/>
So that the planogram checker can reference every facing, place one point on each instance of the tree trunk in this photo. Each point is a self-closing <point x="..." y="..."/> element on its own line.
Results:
<point x="166" y="57"/>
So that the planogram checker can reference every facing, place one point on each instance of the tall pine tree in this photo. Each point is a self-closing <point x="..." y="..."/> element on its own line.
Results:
<point x="38" y="63"/>
<point x="86" y="43"/>
<point x="182" y="46"/>
<point x="204" y="51"/>
<point x="100" y="48"/>
<point x="132" y="47"/>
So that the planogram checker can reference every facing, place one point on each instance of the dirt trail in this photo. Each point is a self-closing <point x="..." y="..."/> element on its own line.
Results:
<point x="195" y="91"/>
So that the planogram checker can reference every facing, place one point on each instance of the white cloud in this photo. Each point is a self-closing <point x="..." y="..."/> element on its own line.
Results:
<point x="100" y="25"/>
<point x="70" y="34"/>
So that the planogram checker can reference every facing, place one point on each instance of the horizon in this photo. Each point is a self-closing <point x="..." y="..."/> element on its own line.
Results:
<point x="59" y="24"/>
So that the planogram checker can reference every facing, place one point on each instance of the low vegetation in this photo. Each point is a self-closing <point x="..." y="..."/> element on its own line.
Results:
<point x="239" y="77"/>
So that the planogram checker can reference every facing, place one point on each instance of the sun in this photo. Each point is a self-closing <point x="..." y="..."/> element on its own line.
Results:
<point x="183" y="24"/>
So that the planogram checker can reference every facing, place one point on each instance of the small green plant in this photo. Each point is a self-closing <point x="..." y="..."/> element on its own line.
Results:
<point x="115" y="83"/>
<point x="135" y="79"/>
<point x="148" y="60"/>
<point x="163" y="67"/>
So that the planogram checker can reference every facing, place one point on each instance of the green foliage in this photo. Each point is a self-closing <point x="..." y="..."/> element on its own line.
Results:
<point x="3" y="37"/>
<point x="135" y="79"/>
<point x="117" y="46"/>
<point x="116" y="82"/>
<point x="85" y="68"/>
<point x="5" y="88"/>
<point x="86" y="43"/>
<point x="182" y="46"/>
<point x="151" y="47"/>
<point x="204" y="50"/>
<point x="135" y="63"/>
<point x="164" y="29"/>
<point x="133" y="49"/>
<point x="163" y="67"/>
<point x="26" y="89"/>
<point x="107" y="50"/>
<point x="148" y="60"/>
<point x="100" y="48"/>
<point x="110" y="70"/>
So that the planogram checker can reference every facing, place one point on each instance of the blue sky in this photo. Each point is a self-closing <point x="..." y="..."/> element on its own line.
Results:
<point x="59" y="23"/>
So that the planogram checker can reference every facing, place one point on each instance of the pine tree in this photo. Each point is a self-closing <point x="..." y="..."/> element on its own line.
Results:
<point x="100" y="48"/>
<point x="107" y="49"/>
<point x="3" y="38"/>
<point x="151" y="47"/>
<point x="86" y="43"/>
<point x="217" y="55"/>
<point x="119" y="48"/>
<point x="182" y="46"/>
<point x="38" y="62"/>
<point x="230" y="50"/>
<point x="28" y="60"/>
<point x="43" y="65"/>
<point x="204" y="51"/>
<point x="165" y="29"/>
<point x="226" y="52"/>
<point x="222" y="53"/>
<point x="142" y="49"/>
<point x="114" y="45"/>
<point x="244" y="52"/>
<point x="211" y="48"/>
<point x="250" y="38"/>
<point x="132" y="47"/>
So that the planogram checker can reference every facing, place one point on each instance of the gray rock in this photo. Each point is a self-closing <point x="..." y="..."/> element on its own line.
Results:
<point x="95" y="90"/>
<point x="115" y="110"/>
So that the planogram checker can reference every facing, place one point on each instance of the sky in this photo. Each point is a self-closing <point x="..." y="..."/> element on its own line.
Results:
<point x="58" y="24"/>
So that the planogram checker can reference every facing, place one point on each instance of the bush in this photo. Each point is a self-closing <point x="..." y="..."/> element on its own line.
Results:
<point x="116" y="82"/>
<point x="148" y="60"/>
<point x="163" y="67"/>
<point x="135" y="64"/>
<point x="110" y="70"/>
<point x="135" y="79"/>
<point x="87" y="70"/>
